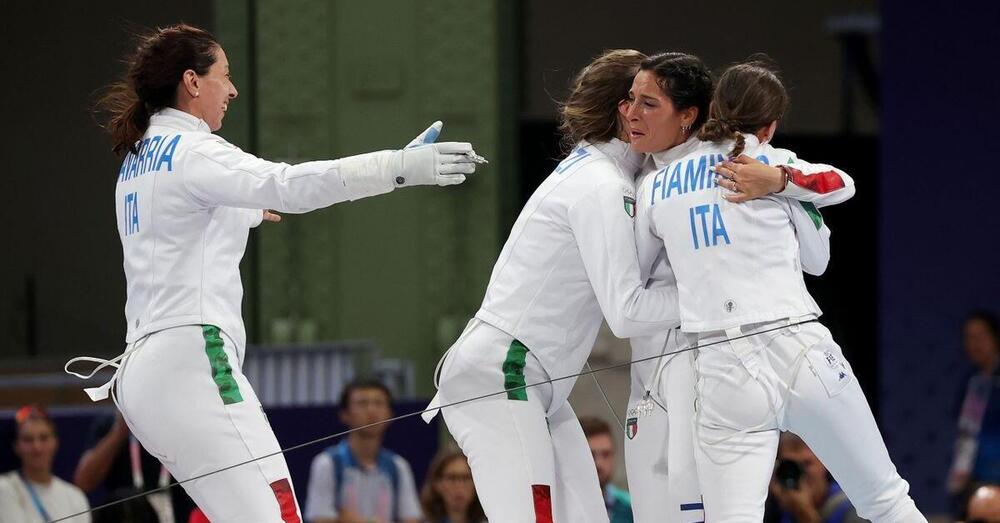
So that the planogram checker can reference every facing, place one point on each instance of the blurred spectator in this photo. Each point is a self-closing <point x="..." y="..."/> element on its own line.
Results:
<point x="32" y="494"/>
<point x="449" y="495"/>
<point x="358" y="481"/>
<point x="984" y="505"/>
<point x="803" y="489"/>
<point x="602" y="446"/>
<point x="977" y="449"/>
<point x="116" y="461"/>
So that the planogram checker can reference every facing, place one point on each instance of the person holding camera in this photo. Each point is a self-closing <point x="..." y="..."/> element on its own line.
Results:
<point x="803" y="490"/>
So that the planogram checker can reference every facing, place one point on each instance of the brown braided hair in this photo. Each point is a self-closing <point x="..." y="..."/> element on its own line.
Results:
<point x="748" y="96"/>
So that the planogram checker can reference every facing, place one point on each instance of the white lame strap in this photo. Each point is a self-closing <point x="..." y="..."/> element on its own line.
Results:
<point x="102" y="392"/>
<point x="432" y="408"/>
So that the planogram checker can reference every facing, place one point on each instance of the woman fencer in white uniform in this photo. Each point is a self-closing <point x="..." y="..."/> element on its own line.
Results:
<point x="738" y="273"/>
<point x="185" y="201"/>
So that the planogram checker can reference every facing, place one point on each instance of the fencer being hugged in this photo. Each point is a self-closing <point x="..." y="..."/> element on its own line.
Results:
<point x="766" y="363"/>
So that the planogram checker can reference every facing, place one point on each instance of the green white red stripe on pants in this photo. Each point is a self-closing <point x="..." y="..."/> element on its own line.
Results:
<point x="187" y="401"/>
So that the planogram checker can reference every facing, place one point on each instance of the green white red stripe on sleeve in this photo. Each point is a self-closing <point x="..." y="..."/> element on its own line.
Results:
<point x="822" y="182"/>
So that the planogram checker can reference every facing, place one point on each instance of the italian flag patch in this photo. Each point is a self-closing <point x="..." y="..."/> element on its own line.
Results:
<point x="632" y="427"/>
<point x="629" y="206"/>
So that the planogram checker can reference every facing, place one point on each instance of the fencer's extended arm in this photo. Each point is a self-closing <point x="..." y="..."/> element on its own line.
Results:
<point x="606" y="240"/>
<point x="217" y="173"/>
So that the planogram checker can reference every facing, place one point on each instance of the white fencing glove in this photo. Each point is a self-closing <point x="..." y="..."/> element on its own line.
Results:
<point x="421" y="162"/>
<point x="444" y="163"/>
<point x="430" y="135"/>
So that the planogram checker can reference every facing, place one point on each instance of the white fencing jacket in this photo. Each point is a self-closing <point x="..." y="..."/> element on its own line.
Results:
<point x="185" y="204"/>
<point x="571" y="260"/>
<point x="736" y="264"/>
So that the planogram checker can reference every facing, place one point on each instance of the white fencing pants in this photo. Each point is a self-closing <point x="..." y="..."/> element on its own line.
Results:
<point x="659" y="446"/>
<point x="794" y="379"/>
<point x="527" y="467"/>
<point x="184" y="397"/>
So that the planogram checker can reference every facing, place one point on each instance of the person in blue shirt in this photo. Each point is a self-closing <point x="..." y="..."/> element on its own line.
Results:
<point x="602" y="446"/>
<point x="359" y="480"/>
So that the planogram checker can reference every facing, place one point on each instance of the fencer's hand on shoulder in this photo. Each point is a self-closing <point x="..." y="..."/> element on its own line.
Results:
<point x="748" y="178"/>
<point x="271" y="216"/>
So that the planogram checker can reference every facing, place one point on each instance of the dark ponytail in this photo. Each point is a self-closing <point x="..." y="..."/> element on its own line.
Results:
<point x="748" y="96"/>
<point x="154" y="71"/>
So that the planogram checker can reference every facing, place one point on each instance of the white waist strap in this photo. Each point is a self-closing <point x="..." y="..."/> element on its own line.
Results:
<point x="101" y="392"/>
<point x="436" y="400"/>
<point x="434" y="404"/>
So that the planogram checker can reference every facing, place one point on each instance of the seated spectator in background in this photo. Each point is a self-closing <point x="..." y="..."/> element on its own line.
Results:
<point x="803" y="489"/>
<point x="449" y="495"/>
<point x="116" y="461"/>
<point x="984" y="505"/>
<point x="977" y="449"/>
<point x="602" y="446"/>
<point x="32" y="494"/>
<point x="357" y="480"/>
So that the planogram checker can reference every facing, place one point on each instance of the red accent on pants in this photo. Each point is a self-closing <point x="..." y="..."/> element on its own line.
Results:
<point x="543" y="503"/>
<point x="197" y="516"/>
<point x="286" y="500"/>
<point x="822" y="183"/>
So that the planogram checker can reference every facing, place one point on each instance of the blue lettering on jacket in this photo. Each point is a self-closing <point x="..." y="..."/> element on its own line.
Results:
<point x="151" y="150"/>
<point x="578" y="154"/>
<point x="131" y="213"/>
<point x="675" y="181"/>
<point x="694" y="177"/>
<point x="154" y="154"/>
<point x="682" y="177"/>
<point x="709" y="238"/>
<point x="167" y="157"/>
